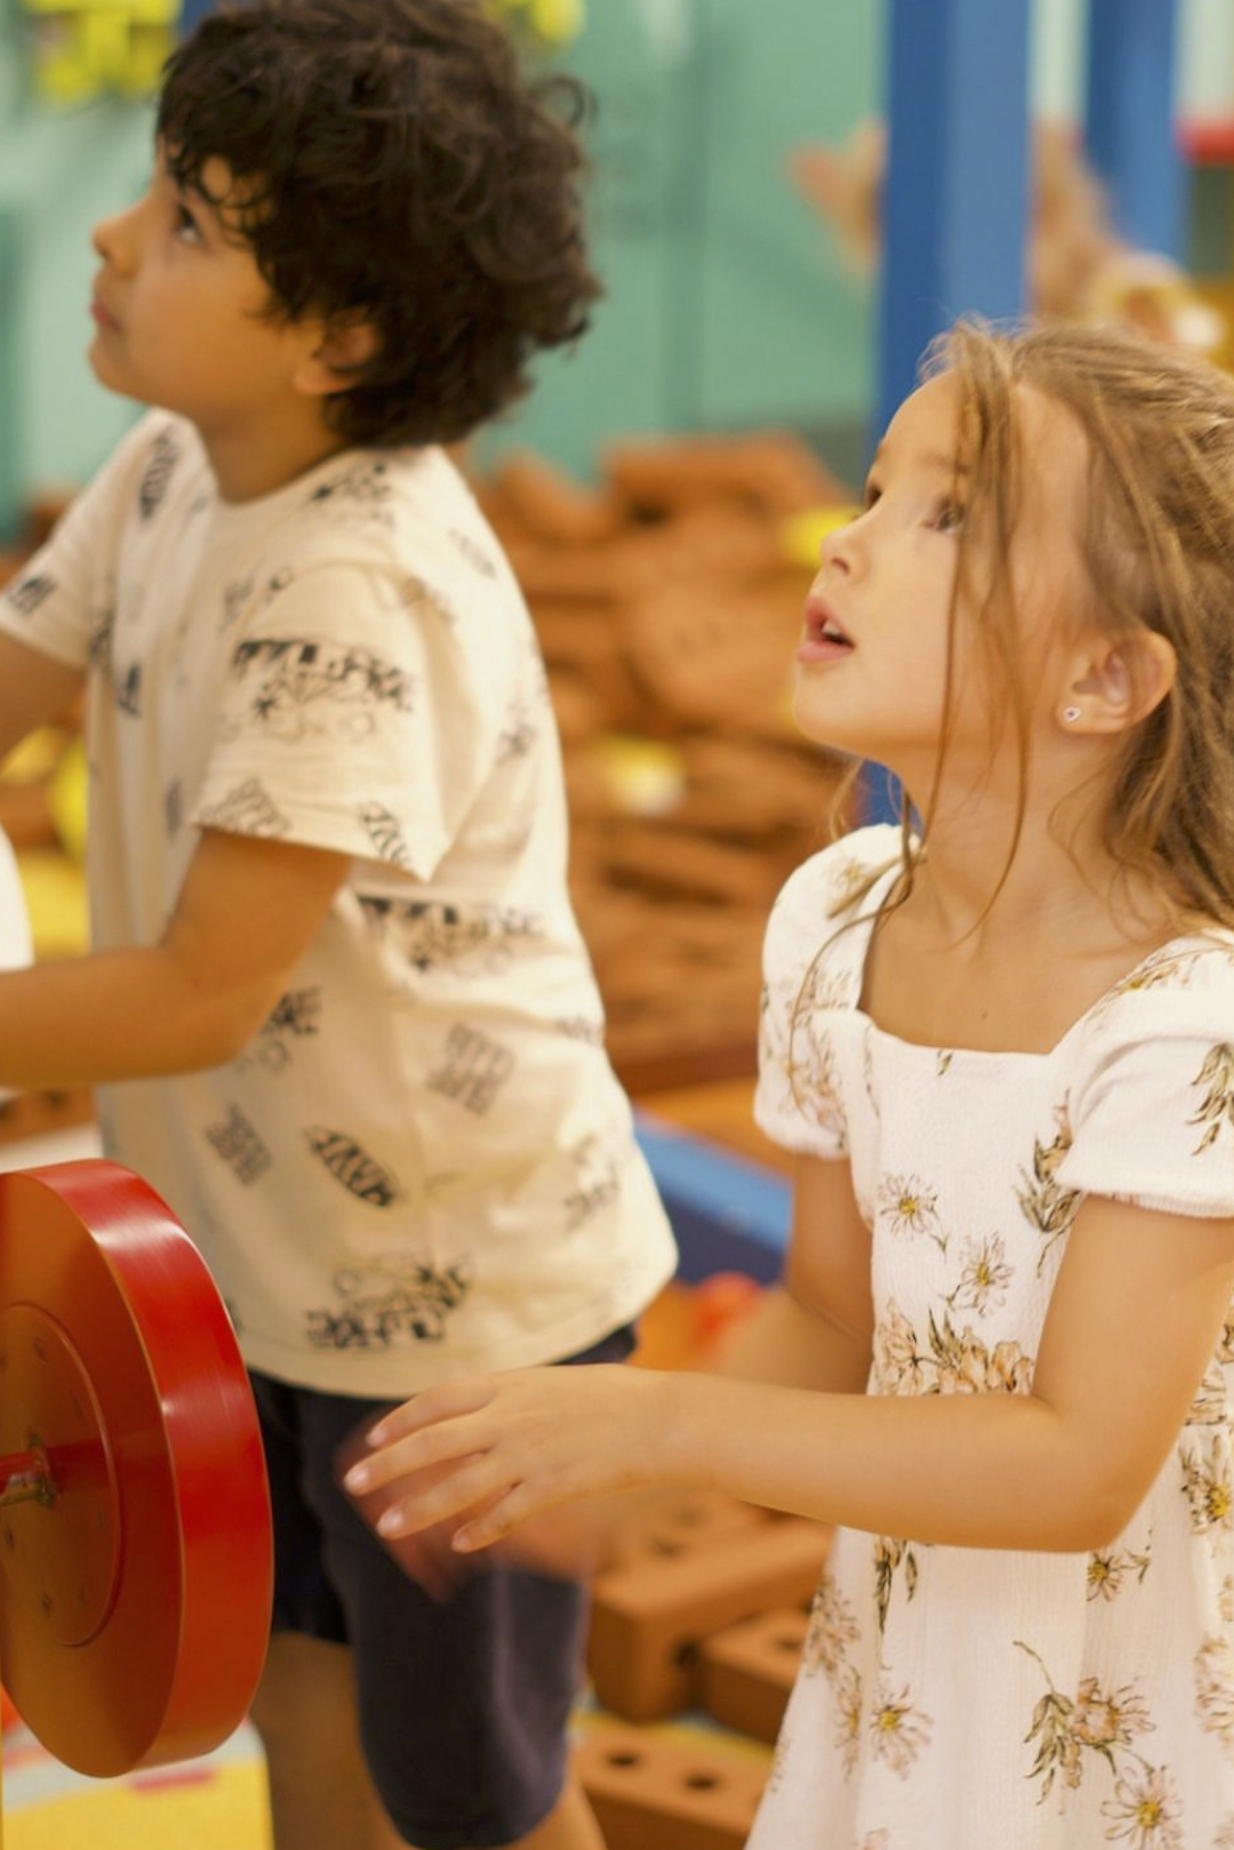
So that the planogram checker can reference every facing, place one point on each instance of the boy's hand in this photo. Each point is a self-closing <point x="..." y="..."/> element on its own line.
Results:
<point x="510" y="1446"/>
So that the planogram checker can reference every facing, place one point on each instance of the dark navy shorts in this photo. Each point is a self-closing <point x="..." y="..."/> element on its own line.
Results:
<point x="464" y="1705"/>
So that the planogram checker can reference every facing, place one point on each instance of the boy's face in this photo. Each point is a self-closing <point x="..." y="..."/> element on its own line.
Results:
<point x="180" y="315"/>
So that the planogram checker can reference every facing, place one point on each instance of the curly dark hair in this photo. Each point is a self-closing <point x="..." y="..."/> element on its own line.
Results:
<point x="392" y="160"/>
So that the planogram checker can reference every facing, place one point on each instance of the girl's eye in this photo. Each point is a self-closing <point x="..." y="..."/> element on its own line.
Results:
<point x="872" y="494"/>
<point x="948" y="517"/>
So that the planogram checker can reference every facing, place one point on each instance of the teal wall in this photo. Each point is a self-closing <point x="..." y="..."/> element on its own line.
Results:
<point x="725" y="304"/>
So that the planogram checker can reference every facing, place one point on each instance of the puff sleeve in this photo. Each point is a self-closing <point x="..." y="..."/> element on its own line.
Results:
<point x="1151" y="1098"/>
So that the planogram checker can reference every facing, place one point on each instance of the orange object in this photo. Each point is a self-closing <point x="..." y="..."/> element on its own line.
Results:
<point x="650" y="1794"/>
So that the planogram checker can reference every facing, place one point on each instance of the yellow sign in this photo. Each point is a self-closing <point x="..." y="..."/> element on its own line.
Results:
<point x="89" y="48"/>
<point x="547" y="22"/>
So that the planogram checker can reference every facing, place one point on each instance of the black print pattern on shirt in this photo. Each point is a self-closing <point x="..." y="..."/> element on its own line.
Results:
<point x="385" y="831"/>
<point x="240" y="1146"/>
<point x="28" y="593"/>
<point x="581" y="1028"/>
<point x="361" y="491"/>
<point x="474" y="553"/>
<point x="297" y="674"/>
<point x="164" y="455"/>
<point x="249" y="809"/>
<point x="400" y="1298"/>
<point x="362" y="1175"/>
<point x="296" y="1017"/>
<point x="430" y="934"/>
<point x="599" y="1181"/>
<point x="475" y="1069"/>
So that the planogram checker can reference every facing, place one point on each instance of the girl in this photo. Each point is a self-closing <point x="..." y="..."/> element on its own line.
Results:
<point x="1003" y="1044"/>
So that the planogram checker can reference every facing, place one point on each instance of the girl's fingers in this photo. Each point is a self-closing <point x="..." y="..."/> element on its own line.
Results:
<point x="474" y="1482"/>
<point x="427" y="1409"/>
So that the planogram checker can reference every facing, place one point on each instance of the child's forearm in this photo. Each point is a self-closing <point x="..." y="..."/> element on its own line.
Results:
<point x="118" y="1015"/>
<point x="971" y="1471"/>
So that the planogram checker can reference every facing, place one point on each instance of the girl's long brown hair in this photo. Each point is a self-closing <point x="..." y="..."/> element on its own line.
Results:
<point x="1157" y="541"/>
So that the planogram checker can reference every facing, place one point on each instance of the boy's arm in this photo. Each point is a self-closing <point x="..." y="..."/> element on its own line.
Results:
<point x="33" y="690"/>
<point x="246" y="914"/>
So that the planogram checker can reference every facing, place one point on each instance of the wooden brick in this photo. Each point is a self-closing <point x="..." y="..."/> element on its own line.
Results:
<point x="746" y="1672"/>
<point x="648" y="1620"/>
<point x="650" y="1794"/>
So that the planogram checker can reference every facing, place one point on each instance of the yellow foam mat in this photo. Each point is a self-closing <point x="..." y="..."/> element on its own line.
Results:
<point x="218" y="1803"/>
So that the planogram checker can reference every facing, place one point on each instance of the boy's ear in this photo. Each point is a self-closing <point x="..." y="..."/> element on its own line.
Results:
<point x="1113" y="685"/>
<point x="334" y="354"/>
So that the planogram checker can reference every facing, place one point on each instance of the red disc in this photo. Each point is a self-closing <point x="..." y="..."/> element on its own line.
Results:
<point x="135" y="1603"/>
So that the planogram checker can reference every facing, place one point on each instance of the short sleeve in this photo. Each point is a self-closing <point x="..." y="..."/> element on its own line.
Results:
<point x="813" y="955"/>
<point x="57" y="601"/>
<point x="1151" y="1099"/>
<point x="350" y="720"/>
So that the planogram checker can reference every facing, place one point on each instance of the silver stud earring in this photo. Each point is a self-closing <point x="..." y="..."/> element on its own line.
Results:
<point x="1071" y="714"/>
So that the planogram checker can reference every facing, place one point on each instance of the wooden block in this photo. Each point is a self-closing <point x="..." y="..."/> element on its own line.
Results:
<point x="650" y="1794"/>
<point x="648" y="1620"/>
<point x="746" y="1672"/>
<point x="682" y="1526"/>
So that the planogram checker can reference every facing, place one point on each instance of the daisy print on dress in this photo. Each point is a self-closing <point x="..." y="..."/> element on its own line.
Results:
<point x="984" y="1276"/>
<point x="1110" y="1569"/>
<point x="888" y="1556"/>
<point x="910" y="1206"/>
<point x="897" y="1730"/>
<point x="808" y="1061"/>
<point x="1208" y="1483"/>
<point x="1145" y="1812"/>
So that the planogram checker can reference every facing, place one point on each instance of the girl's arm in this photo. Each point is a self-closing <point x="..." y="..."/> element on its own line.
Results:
<point x="246" y="914"/>
<point x="1134" y="1319"/>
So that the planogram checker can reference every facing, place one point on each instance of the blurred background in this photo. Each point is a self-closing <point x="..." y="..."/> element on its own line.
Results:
<point x="787" y="201"/>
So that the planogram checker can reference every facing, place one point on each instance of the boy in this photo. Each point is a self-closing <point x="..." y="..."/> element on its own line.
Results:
<point x="335" y="964"/>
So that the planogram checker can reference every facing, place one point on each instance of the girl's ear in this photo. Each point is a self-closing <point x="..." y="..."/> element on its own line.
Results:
<point x="1114" y="685"/>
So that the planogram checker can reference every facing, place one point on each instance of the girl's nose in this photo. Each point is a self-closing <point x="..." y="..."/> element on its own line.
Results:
<point x="841" y="547"/>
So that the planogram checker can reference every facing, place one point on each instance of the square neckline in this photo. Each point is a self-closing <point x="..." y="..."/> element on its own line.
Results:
<point x="877" y="893"/>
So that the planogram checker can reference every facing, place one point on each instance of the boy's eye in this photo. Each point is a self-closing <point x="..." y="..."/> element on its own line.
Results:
<point x="186" y="227"/>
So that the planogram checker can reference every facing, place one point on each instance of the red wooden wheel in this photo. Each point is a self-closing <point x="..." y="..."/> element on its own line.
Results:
<point x="135" y="1592"/>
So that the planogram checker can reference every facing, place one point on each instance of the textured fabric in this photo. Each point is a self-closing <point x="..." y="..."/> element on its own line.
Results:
<point x="951" y="1697"/>
<point x="423" y="1164"/>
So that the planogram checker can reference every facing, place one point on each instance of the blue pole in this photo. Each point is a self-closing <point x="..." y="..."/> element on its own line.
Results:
<point x="956" y="196"/>
<point x="1129" y="113"/>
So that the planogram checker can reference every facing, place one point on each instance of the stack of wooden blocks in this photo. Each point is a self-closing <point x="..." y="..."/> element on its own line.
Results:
<point x="669" y="603"/>
<point x="706" y="1615"/>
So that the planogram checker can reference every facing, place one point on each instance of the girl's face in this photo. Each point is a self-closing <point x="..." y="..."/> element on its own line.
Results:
<point x="872" y="667"/>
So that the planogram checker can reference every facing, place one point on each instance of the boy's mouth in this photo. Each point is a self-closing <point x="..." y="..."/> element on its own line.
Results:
<point x="102" y="316"/>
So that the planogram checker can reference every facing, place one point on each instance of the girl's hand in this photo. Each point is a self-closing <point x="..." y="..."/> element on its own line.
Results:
<point x="511" y="1445"/>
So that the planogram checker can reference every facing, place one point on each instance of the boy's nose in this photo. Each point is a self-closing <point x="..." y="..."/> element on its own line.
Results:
<point x="113" y="240"/>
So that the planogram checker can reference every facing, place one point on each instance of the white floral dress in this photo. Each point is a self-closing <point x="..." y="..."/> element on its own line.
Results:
<point x="963" y="1699"/>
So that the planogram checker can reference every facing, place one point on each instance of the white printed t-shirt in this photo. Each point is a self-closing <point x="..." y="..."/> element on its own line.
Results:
<point x="423" y="1164"/>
